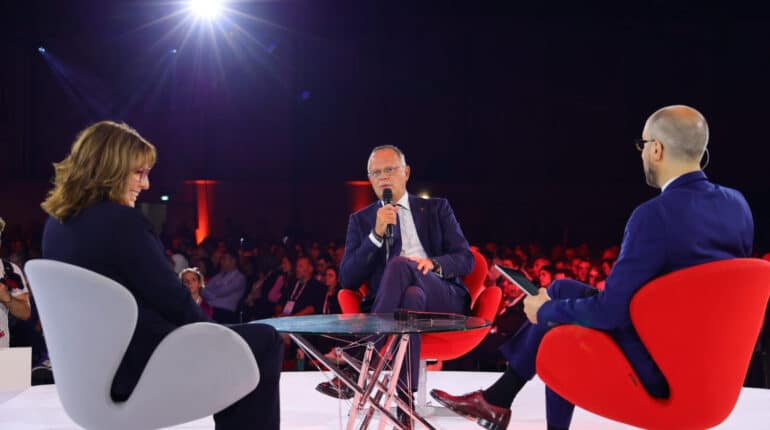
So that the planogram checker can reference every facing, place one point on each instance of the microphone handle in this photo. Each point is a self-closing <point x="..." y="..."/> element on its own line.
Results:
<point x="389" y="231"/>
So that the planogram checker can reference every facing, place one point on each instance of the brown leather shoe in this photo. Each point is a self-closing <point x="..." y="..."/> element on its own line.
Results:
<point x="473" y="405"/>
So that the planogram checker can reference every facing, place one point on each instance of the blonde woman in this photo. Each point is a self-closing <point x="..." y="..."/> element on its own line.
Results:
<point x="93" y="224"/>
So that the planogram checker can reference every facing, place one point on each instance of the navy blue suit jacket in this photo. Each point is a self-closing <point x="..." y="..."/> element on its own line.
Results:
<point x="693" y="221"/>
<point x="439" y="232"/>
<point x="118" y="242"/>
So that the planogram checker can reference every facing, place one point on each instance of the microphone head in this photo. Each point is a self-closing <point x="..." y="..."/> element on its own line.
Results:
<point x="387" y="196"/>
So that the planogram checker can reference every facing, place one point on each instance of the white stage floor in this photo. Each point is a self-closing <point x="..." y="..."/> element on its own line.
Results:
<point x="302" y="408"/>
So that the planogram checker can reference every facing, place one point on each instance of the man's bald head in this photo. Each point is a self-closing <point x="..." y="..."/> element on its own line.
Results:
<point x="682" y="130"/>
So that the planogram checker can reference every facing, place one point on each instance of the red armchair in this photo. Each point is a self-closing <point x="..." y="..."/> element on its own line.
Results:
<point x="350" y="300"/>
<point x="699" y="324"/>
<point x="484" y="304"/>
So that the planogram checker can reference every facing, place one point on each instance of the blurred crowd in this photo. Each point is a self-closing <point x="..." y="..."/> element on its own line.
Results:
<point x="240" y="281"/>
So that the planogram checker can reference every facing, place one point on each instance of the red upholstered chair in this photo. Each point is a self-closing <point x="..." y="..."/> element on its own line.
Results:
<point x="350" y="300"/>
<point x="484" y="304"/>
<point x="700" y="325"/>
<point x="447" y="346"/>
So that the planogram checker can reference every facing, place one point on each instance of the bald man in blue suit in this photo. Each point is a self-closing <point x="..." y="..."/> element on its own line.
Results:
<point x="693" y="221"/>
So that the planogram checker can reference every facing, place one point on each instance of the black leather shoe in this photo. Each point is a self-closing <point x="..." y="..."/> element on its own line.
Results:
<point x="473" y="405"/>
<point x="336" y="388"/>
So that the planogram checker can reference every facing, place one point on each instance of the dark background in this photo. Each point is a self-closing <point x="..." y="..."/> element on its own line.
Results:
<point x="523" y="116"/>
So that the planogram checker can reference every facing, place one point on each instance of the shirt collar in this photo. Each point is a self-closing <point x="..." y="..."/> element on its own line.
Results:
<point x="403" y="202"/>
<point x="669" y="183"/>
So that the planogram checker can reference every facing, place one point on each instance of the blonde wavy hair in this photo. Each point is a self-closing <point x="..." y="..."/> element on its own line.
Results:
<point x="97" y="168"/>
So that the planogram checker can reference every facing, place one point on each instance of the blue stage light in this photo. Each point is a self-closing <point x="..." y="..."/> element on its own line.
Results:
<point x="41" y="50"/>
<point x="173" y="51"/>
<point x="164" y="198"/>
<point x="305" y="95"/>
<point x="208" y="9"/>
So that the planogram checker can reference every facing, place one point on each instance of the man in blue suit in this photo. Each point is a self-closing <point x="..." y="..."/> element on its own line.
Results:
<point x="428" y="255"/>
<point x="693" y="221"/>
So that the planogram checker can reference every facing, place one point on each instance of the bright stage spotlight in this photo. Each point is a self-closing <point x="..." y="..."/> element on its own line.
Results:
<point x="41" y="50"/>
<point x="207" y="9"/>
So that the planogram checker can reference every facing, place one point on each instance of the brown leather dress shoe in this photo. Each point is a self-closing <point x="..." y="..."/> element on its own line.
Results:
<point x="473" y="405"/>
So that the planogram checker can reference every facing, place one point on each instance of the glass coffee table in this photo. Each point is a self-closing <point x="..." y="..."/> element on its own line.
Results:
<point x="370" y="388"/>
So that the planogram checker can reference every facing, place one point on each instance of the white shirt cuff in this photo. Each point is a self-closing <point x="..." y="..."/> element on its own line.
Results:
<point x="374" y="240"/>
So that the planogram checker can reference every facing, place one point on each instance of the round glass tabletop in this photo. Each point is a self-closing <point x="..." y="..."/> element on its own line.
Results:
<point x="364" y="324"/>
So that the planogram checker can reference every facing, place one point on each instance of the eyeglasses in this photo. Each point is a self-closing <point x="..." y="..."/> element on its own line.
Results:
<point x="639" y="143"/>
<point x="374" y="174"/>
<point x="143" y="173"/>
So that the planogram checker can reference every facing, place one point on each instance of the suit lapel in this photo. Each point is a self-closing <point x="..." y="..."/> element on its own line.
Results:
<point x="420" y="216"/>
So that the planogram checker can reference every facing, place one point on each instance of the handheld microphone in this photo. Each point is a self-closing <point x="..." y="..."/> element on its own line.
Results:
<point x="387" y="198"/>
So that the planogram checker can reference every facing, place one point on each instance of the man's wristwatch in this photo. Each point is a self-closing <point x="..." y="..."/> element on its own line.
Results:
<point x="437" y="268"/>
<point x="377" y="236"/>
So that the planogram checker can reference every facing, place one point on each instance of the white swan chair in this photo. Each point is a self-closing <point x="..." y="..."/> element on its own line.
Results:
<point x="88" y="320"/>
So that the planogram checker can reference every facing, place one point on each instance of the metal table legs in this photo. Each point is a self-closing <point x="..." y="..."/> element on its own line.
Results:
<point x="369" y="389"/>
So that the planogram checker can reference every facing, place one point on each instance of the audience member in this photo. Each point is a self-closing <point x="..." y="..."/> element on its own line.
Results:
<point x="545" y="276"/>
<point x="306" y="296"/>
<point x="331" y="304"/>
<point x="280" y="281"/>
<point x="225" y="289"/>
<point x="255" y="305"/>
<point x="193" y="279"/>
<point x="14" y="295"/>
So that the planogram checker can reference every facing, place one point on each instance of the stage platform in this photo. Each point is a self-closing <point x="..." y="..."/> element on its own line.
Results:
<point x="302" y="408"/>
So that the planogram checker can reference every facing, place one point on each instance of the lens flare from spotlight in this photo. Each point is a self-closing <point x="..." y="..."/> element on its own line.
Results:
<point x="41" y="50"/>
<point x="208" y="9"/>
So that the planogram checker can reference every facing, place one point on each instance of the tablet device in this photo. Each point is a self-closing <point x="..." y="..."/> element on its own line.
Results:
<point x="518" y="279"/>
